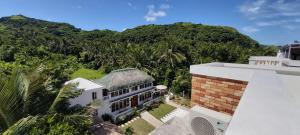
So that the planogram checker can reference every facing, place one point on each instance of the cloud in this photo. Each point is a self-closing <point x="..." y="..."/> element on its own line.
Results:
<point x="291" y="27"/>
<point x="272" y="23"/>
<point x="250" y="29"/>
<point x="164" y="6"/>
<point x="129" y="4"/>
<point x="270" y="8"/>
<point x="265" y="13"/>
<point x="252" y="9"/>
<point x="153" y="14"/>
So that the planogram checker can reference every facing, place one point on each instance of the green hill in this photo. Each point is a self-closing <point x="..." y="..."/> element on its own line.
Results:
<point x="164" y="51"/>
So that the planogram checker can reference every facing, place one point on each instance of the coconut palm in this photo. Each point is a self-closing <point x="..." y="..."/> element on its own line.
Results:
<point x="25" y="97"/>
<point x="169" y="54"/>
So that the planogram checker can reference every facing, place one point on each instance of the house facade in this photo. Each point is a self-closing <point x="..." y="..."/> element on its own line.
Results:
<point x="120" y="91"/>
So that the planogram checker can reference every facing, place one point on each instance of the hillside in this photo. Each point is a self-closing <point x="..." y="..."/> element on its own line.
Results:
<point x="164" y="51"/>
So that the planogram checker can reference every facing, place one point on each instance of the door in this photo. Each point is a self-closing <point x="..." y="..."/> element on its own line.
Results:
<point x="134" y="101"/>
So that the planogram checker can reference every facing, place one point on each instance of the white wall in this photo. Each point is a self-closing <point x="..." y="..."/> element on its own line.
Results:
<point x="86" y="97"/>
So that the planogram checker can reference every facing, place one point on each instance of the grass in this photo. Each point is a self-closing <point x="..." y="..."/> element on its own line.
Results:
<point x="161" y="110"/>
<point x="140" y="127"/>
<point x="88" y="74"/>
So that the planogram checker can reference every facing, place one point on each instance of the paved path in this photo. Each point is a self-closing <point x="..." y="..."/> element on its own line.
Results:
<point x="177" y="106"/>
<point x="151" y="119"/>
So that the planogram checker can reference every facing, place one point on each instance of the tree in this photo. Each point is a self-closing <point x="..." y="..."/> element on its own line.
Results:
<point x="24" y="101"/>
<point x="170" y="55"/>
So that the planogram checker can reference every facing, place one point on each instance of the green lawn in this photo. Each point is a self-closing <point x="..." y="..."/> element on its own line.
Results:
<point x="87" y="74"/>
<point x="161" y="111"/>
<point x="140" y="127"/>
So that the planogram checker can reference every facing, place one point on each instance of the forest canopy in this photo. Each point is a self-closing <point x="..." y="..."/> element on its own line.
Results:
<point x="163" y="51"/>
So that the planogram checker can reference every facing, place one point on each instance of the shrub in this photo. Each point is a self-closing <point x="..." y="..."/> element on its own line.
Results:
<point x="106" y="117"/>
<point x="155" y="105"/>
<point x="129" y="131"/>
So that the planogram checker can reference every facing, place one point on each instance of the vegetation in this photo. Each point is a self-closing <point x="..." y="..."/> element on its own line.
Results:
<point x="163" y="51"/>
<point x="138" y="127"/>
<point x="181" y="101"/>
<point x="29" y="106"/>
<point x="87" y="74"/>
<point x="161" y="111"/>
<point x="129" y="131"/>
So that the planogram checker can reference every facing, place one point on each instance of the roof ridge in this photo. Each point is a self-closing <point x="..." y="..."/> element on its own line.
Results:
<point x="123" y="69"/>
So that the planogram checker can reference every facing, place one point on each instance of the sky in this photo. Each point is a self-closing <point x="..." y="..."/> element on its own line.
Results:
<point x="273" y="22"/>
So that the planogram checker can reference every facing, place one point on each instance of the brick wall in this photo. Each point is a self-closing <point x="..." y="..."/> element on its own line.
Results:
<point x="219" y="94"/>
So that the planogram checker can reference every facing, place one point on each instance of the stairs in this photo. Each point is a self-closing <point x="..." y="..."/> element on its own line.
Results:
<point x="175" y="113"/>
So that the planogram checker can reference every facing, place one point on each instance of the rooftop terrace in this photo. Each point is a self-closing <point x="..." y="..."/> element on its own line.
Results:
<point x="270" y="104"/>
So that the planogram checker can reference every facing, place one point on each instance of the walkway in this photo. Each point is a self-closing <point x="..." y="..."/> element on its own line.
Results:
<point x="177" y="106"/>
<point x="178" y="112"/>
<point x="151" y="119"/>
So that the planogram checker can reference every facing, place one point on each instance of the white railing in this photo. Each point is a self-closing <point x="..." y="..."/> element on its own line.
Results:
<point x="273" y="61"/>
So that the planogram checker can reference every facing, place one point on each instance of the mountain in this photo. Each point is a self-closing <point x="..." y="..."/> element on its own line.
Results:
<point x="164" y="51"/>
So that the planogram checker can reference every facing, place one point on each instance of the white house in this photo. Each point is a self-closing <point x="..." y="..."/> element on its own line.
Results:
<point x="120" y="91"/>
<point x="90" y="92"/>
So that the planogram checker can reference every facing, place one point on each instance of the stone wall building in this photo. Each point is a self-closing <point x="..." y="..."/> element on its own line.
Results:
<point x="219" y="94"/>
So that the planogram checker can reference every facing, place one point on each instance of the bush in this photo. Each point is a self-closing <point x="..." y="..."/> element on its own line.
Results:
<point x="122" y="119"/>
<point x="129" y="131"/>
<point x="107" y="117"/>
<point x="155" y="105"/>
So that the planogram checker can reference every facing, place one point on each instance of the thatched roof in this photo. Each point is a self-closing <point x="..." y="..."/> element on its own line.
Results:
<point x="124" y="78"/>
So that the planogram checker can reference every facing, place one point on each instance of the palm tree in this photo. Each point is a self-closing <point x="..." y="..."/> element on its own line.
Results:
<point x="169" y="54"/>
<point x="24" y="98"/>
<point x="16" y="96"/>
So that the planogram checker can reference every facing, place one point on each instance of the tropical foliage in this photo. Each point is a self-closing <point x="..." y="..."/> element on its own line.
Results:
<point x="163" y="51"/>
<point x="30" y="104"/>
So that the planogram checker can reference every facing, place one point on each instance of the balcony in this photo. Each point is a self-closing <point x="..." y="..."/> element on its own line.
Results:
<point x="273" y="61"/>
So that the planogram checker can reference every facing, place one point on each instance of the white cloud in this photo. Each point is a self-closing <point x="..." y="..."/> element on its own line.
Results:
<point x="252" y="9"/>
<point x="270" y="9"/>
<point x="250" y="29"/>
<point x="291" y="27"/>
<point x="272" y="12"/>
<point x="129" y="4"/>
<point x="165" y="6"/>
<point x="153" y="14"/>
<point x="272" y="23"/>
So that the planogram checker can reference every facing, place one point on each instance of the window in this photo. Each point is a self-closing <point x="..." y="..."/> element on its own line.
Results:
<point x="113" y="107"/>
<point x="120" y="104"/>
<point x="94" y="95"/>
<point x="142" y="86"/>
<point x="145" y="96"/>
<point x="134" y="88"/>
<point x="125" y="91"/>
<point x="114" y="93"/>
<point x="120" y="92"/>
<point x="104" y="92"/>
